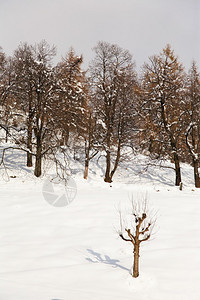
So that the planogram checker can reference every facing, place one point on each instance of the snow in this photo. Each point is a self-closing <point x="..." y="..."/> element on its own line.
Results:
<point x="74" y="252"/>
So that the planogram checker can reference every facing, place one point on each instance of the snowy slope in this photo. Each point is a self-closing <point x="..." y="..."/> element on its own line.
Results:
<point x="74" y="252"/>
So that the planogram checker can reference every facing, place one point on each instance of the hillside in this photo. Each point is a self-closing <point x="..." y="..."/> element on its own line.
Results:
<point x="74" y="252"/>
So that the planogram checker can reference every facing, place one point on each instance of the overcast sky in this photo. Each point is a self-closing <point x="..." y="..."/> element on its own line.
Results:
<point x="143" y="27"/>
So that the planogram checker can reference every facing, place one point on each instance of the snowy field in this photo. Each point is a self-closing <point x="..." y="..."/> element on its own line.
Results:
<point x="74" y="252"/>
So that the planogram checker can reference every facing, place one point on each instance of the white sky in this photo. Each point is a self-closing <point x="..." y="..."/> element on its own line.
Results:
<point x="143" y="27"/>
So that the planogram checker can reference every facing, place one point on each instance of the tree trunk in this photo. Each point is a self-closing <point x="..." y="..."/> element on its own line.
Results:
<point x="108" y="166"/>
<point x="117" y="159"/>
<point x="136" y="260"/>
<point x="29" y="162"/>
<point x="6" y="138"/>
<point x="65" y="135"/>
<point x="29" y="146"/>
<point x="192" y="152"/>
<point x="7" y="131"/>
<point x="86" y="169"/>
<point x="177" y="169"/>
<point x="38" y="158"/>
<point x="196" y="173"/>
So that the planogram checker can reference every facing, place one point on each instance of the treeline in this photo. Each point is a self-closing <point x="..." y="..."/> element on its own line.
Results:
<point x="47" y="108"/>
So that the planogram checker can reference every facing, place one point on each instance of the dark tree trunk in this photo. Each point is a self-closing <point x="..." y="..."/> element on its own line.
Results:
<point x="38" y="158"/>
<point x="177" y="169"/>
<point x="108" y="167"/>
<point x="6" y="138"/>
<point x="29" y="146"/>
<point x="196" y="173"/>
<point x="176" y="161"/>
<point x="29" y="129"/>
<point x="38" y="165"/>
<point x="29" y="159"/>
<point x="65" y="136"/>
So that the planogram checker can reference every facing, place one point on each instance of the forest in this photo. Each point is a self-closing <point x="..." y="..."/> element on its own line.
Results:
<point x="47" y="108"/>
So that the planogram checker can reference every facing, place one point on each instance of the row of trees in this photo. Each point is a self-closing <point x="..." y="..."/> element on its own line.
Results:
<point x="45" y="108"/>
<point x="41" y="103"/>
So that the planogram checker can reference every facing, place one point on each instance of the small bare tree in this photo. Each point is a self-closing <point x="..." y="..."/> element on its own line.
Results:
<point x="140" y="232"/>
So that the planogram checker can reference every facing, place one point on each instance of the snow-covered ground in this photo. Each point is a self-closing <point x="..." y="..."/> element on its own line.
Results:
<point x="74" y="252"/>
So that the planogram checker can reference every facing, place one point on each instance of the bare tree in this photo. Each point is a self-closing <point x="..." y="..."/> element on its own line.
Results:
<point x="24" y="92"/>
<point x="192" y="119"/>
<point x="4" y="87"/>
<point x="163" y="84"/>
<point x="112" y="80"/>
<point x="70" y="104"/>
<point x="7" y="101"/>
<point x="140" y="231"/>
<point x="44" y="83"/>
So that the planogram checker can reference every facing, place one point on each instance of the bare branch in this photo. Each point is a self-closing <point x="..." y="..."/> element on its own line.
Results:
<point x="127" y="240"/>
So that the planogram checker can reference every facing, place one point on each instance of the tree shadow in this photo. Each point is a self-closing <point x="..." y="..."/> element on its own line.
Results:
<point x="14" y="159"/>
<point x="104" y="259"/>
